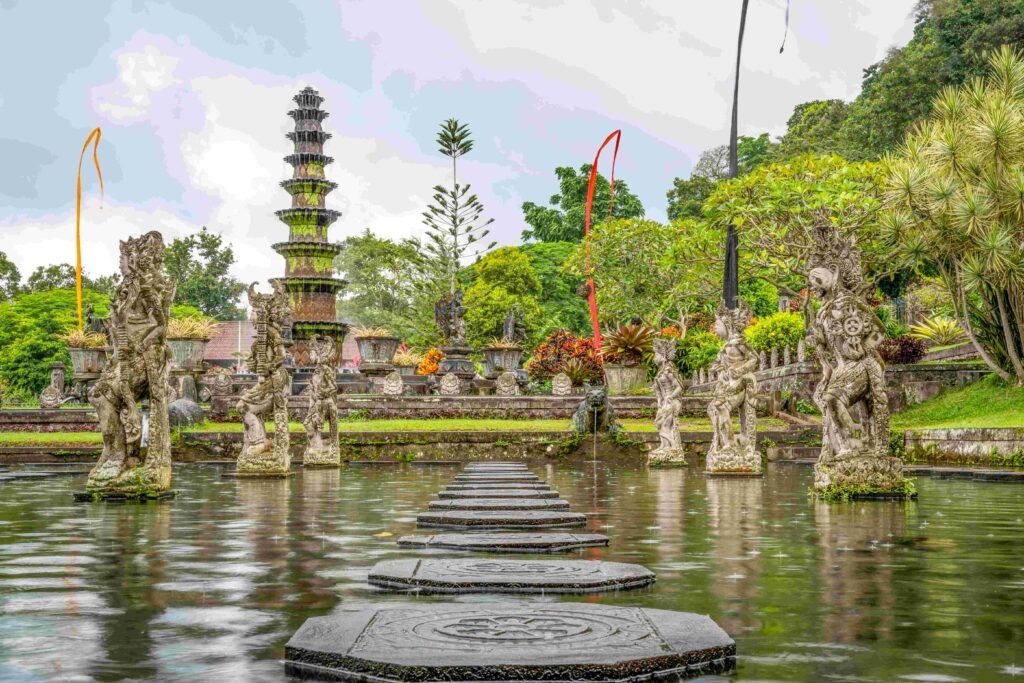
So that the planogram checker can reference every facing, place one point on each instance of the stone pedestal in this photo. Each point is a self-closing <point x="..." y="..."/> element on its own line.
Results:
<point x="456" y="360"/>
<point x="861" y="477"/>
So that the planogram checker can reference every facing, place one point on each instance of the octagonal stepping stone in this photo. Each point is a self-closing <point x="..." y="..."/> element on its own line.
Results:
<point x="509" y="576"/>
<point x="508" y="519"/>
<point x="507" y="542"/>
<point x="507" y="641"/>
<point x="538" y="486"/>
<point x="499" y="504"/>
<point x="482" y="478"/>
<point x="496" y="466"/>
<point x="498" y="493"/>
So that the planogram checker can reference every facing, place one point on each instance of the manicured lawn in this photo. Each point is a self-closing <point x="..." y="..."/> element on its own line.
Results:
<point x="700" y="424"/>
<point x="49" y="438"/>
<point x="987" y="403"/>
<point x="439" y="425"/>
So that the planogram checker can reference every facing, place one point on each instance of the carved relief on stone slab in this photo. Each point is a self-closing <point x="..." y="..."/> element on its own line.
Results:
<point x="450" y="384"/>
<point x="507" y="384"/>
<point x="561" y="385"/>
<point x="393" y="385"/>
<point x="53" y="394"/>
<point x="801" y="351"/>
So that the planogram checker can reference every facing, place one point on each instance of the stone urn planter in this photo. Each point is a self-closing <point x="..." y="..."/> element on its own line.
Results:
<point x="499" y="359"/>
<point x="88" y="361"/>
<point x="622" y="379"/>
<point x="187" y="353"/>
<point x="377" y="354"/>
<point x="405" y="370"/>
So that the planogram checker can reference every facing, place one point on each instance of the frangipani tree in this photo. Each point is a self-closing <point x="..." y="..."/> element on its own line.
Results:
<point x="956" y="204"/>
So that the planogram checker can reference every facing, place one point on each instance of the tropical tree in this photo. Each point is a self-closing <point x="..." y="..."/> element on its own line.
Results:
<point x="201" y="263"/>
<point x="956" y="193"/>
<point x="454" y="221"/>
<point x="563" y="221"/>
<point x="501" y="280"/>
<point x="10" y="278"/>
<point x="648" y="270"/>
<point x="56" y="276"/>
<point x="778" y="208"/>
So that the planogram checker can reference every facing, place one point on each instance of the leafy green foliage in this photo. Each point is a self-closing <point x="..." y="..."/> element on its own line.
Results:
<point x="696" y="351"/>
<point x="762" y="296"/>
<point x="902" y="350"/>
<point x="564" y="220"/>
<point x="10" y="278"/>
<point x="686" y="198"/>
<point x="388" y="286"/>
<point x="813" y="129"/>
<point x="777" y="331"/>
<point x="29" y="328"/>
<point x="557" y="350"/>
<point x="563" y="307"/>
<point x="201" y="264"/>
<point x="502" y="279"/>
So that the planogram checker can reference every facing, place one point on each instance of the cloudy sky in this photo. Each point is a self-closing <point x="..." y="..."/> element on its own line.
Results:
<point x="192" y="97"/>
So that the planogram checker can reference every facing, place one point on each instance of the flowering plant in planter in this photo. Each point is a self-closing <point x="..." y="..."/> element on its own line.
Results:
<point x="628" y="344"/>
<point x="431" y="362"/>
<point x="78" y="339"/>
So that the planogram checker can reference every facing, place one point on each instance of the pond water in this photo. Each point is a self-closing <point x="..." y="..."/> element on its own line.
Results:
<point x="211" y="586"/>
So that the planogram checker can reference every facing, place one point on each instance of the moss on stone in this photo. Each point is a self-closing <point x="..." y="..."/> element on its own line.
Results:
<point x="838" y="493"/>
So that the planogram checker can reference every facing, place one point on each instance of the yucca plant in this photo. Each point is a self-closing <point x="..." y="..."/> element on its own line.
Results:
<point x="370" y="332"/>
<point x="407" y="359"/>
<point x="191" y="328"/>
<point x="628" y="344"/>
<point x="956" y="199"/>
<point x="78" y="339"/>
<point x="502" y="343"/>
<point x="939" y="331"/>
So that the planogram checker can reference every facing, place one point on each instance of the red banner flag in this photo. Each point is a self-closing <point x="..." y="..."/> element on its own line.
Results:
<point x="592" y="295"/>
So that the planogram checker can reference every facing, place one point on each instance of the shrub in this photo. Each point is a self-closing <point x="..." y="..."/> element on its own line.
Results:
<point x="553" y="354"/>
<point x="777" y="331"/>
<point x="893" y="327"/>
<point x="902" y="350"/>
<point x="762" y="296"/>
<point x="697" y="350"/>
<point x="939" y="331"/>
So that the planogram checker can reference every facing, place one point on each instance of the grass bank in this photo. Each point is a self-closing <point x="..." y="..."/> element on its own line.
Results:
<point x="987" y="403"/>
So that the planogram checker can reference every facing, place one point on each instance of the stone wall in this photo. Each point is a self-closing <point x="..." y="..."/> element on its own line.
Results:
<point x="982" y="446"/>
<point x="59" y="420"/>
<point x="907" y="384"/>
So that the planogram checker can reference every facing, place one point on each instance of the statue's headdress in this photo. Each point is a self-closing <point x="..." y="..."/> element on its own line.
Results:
<point x="735" y="319"/>
<point x="665" y="346"/>
<point x="839" y="255"/>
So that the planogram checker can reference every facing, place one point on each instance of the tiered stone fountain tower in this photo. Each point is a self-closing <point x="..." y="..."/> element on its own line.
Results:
<point x="309" y="256"/>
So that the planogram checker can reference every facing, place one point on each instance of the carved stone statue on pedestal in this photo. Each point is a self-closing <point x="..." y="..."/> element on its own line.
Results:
<point x="734" y="452"/>
<point x="260" y="456"/>
<point x="323" y="406"/>
<point x="448" y="313"/>
<point x="136" y="458"/>
<point x="668" y="390"/>
<point x="854" y="458"/>
<point x="513" y="330"/>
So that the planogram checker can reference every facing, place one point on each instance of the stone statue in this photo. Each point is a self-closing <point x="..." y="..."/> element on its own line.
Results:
<point x="451" y="385"/>
<point x="448" y="313"/>
<point x="53" y="395"/>
<point x="847" y="334"/>
<point x="393" y="385"/>
<point x="514" y="329"/>
<point x="323" y="406"/>
<point x="594" y="414"/>
<point x="507" y="384"/>
<point x="269" y="396"/>
<point x="136" y="458"/>
<point x="561" y="385"/>
<point x="734" y="392"/>
<point x="668" y="390"/>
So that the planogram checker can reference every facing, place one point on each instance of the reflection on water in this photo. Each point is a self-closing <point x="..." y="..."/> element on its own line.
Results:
<point x="212" y="584"/>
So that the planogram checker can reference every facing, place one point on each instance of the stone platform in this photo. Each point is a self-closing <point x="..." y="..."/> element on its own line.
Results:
<point x="534" y="486"/>
<point x="499" y="504"/>
<point x="508" y="542"/>
<point x="507" y="642"/>
<point x="496" y="478"/>
<point x="498" y="493"/>
<point x="509" y="576"/>
<point x="511" y="519"/>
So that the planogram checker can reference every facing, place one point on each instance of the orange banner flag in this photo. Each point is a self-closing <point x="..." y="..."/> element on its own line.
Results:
<point x="94" y="138"/>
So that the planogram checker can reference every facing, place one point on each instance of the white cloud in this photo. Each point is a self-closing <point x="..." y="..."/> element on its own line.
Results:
<point x="140" y="74"/>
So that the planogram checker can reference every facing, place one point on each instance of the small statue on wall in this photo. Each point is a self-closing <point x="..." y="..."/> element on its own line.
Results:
<point x="136" y="458"/>
<point x="53" y="395"/>
<point x="323" y="406"/>
<point x="269" y="396"/>
<point x="448" y="314"/>
<point x="668" y="390"/>
<point x="514" y="328"/>
<point x="734" y="392"/>
<point x="594" y="414"/>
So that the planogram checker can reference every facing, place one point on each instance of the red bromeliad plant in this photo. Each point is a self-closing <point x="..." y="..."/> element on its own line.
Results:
<point x="628" y="344"/>
<point x="554" y="354"/>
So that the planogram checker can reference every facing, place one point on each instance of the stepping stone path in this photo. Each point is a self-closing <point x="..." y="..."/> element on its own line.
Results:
<point x="499" y="504"/>
<point x="509" y="576"/>
<point x="498" y="493"/>
<point x="506" y="641"/>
